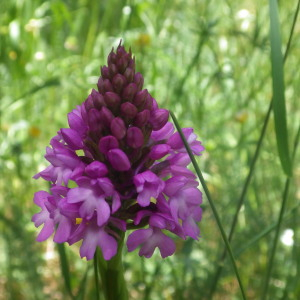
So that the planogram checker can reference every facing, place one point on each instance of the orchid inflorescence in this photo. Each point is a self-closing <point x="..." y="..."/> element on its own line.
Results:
<point x="119" y="166"/>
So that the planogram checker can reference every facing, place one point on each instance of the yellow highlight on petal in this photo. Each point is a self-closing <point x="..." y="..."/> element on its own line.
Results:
<point x="78" y="221"/>
<point x="153" y="200"/>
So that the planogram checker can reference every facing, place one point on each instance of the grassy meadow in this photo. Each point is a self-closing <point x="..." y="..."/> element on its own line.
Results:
<point x="218" y="68"/>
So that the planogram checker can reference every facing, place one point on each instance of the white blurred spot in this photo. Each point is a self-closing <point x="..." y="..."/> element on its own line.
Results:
<point x="126" y="10"/>
<point x="223" y="43"/>
<point x="245" y="25"/>
<point x="39" y="55"/>
<point x="14" y="30"/>
<point x="246" y="17"/>
<point x="243" y="14"/>
<point x="227" y="68"/>
<point x="287" y="237"/>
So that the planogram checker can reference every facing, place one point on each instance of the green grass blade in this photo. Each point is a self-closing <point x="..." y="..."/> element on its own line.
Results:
<point x="280" y="218"/>
<point x="64" y="266"/>
<point x="82" y="287"/>
<point x="263" y="233"/>
<point x="278" y="90"/>
<point x="96" y="274"/>
<point x="216" y="215"/>
<point x="252" y="167"/>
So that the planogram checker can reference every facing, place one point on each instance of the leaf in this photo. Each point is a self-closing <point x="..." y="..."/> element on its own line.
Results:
<point x="278" y="90"/>
<point x="64" y="265"/>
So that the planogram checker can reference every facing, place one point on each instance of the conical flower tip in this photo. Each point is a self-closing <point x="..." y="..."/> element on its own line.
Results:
<point x="129" y="166"/>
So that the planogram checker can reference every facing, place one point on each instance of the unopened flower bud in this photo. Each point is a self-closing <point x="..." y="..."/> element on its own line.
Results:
<point x="159" y="118"/>
<point x="105" y="72"/>
<point x="94" y="120"/>
<point x="128" y="110"/>
<point x="111" y="58"/>
<point x="106" y="116"/>
<point x="129" y="91"/>
<point x="98" y="99"/>
<point x="96" y="169"/>
<point x="112" y="99"/>
<point x="135" y="137"/>
<point x="122" y="64"/>
<point x="104" y="85"/>
<point x="139" y="80"/>
<point x="119" y="82"/>
<point x="107" y="143"/>
<point x="89" y="103"/>
<point x="142" y="118"/>
<point x="140" y="98"/>
<point x="129" y="74"/>
<point x="148" y="103"/>
<point x="118" y="160"/>
<point x="118" y="128"/>
<point x="113" y="70"/>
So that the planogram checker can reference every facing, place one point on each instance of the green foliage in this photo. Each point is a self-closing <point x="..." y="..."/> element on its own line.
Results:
<point x="210" y="63"/>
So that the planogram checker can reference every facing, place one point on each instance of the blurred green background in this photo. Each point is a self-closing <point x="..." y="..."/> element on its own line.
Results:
<point x="206" y="60"/>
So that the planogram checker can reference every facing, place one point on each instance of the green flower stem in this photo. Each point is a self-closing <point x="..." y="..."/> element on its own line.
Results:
<point x="112" y="274"/>
<point x="212" y="205"/>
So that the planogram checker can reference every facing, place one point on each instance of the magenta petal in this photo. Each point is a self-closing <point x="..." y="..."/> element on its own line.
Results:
<point x="96" y="169"/>
<point x="116" y="202"/>
<point x="144" y="197"/>
<point x="159" y="151"/>
<point x="40" y="197"/>
<point x="79" y="194"/>
<point x="47" y="230"/>
<point x="191" y="228"/>
<point x="164" y="133"/>
<point x="72" y="138"/>
<point x="87" y="208"/>
<point x="108" y="245"/>
<point x="76" y="123"/>
<point x="89" y="244"/>
<point x="63" y="231"/>
<point x="142" y="214"/>
<point x="166" y="246"/>
<point x="103" y="212"/>
<point x="137" y="238"/>
<point x="157" y="221"/>
<point x="118" y="160"/>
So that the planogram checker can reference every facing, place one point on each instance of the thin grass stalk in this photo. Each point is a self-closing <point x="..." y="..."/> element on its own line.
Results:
<point x="263" y="233"/>
<point x="252" y="166"/>
<point x="216" y="215"/>
<point x="280" y="218"/>
<point x="64" y="266"/>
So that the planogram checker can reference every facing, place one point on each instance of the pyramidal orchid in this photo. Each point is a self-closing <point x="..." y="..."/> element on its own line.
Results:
<point x="129" y="169"/>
